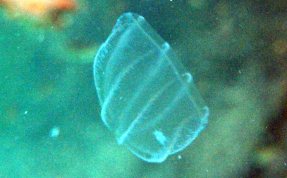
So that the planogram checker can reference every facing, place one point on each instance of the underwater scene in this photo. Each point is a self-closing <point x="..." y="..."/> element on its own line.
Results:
<point x="143" y="89"/>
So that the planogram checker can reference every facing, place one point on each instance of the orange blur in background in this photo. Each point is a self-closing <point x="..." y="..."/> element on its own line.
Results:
<point x="39" y="8"/>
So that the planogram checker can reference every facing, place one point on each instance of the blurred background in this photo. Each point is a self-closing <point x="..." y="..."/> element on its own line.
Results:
<point x="50" y="123"/>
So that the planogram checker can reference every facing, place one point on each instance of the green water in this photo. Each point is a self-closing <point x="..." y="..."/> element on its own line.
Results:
<point x="50" y="123"/>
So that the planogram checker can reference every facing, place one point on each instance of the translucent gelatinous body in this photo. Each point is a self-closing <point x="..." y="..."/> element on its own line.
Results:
<point x="148" y="99"/>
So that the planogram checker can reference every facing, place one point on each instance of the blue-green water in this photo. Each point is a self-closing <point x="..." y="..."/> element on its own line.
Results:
<point x="50" y="123"/>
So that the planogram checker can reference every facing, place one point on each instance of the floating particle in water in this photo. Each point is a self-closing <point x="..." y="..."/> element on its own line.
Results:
<point x="54" y="132"/>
